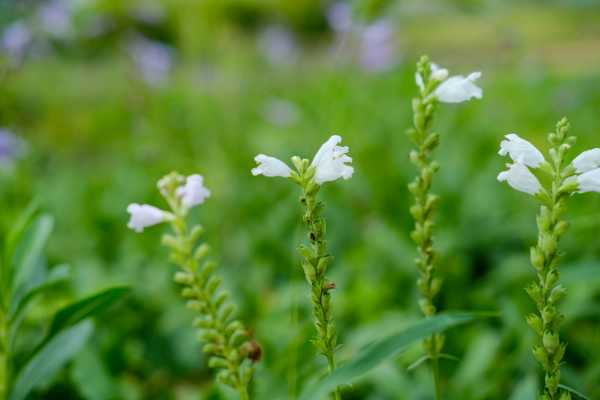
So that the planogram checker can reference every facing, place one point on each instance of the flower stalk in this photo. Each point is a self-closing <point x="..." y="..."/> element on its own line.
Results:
<point x="4" y="358"/>
<point x="422" y="210"/>
<point x="547" y="292"/>
<point x="226" y="340"/>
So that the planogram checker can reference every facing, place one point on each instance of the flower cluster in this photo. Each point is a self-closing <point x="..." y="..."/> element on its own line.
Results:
<point x="455" y="89"/>
<point x="583" y="174"/>
<point x="231" y="350"/>
<point x="331" y="163"/>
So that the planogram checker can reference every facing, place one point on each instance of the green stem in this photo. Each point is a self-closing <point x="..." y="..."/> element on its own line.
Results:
<point x="4" y="356"/>
<point x="435" y="368"/>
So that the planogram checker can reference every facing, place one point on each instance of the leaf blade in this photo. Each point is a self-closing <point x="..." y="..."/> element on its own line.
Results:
<point x="385" y="349"/>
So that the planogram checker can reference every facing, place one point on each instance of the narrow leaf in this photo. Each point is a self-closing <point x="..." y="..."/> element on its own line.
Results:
<point x="84" y="308"/>
<point x="29" y="250"/>
<point x="382" y="350"/>
<point x="573" y="391"/>
<point x="50" y="359"/>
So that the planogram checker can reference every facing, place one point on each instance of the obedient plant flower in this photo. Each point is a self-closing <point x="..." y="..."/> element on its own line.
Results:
<point x="589" y="181"/>
<point x="329" y="164"/>
<point x="271" y="167"/>
<point x="331" y="161"/>
<point x="587" y="161"/>
<point x="455" y="89"/>
<point x="229" y="346"/>
<point x="193" y="192"/>
<point x="582" y="175"/>
<point x="143" y="216"/>
<point x="521" y="151"/>
<point x="520" y="178"/>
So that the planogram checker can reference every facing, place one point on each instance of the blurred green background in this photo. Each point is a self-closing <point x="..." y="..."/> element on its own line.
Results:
<point x="100" y="98"/>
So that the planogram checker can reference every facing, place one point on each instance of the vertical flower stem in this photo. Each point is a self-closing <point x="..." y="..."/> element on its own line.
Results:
<point x="547" y="291"/>
<point x="423" y="208"/>
<point x="316" y="261"/>
<point x="4" y="358"/>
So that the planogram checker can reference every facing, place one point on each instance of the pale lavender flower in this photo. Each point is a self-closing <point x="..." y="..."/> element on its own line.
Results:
<point x="16" y="39"/>
<point x="278" y="45"/>
<point x="281" y="112"/>
<point x="193" y="192"/>
<point x="339" y="17"/>
<point x="378" y="47"/>
<point x="144" y="215"/>
<point x="11" y="148"/>
<point x="153" y="59"/>
<point x="56" y="18"/>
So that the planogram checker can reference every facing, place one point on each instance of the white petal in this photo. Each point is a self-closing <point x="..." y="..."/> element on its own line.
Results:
<point x="419" y="81"/>
<point x="331" y="161"/>
<point x="588" y="160"/>
<point x="589" y="181"/>
<point x="521" y="151"/>
<point x="270" y="166"/>
<point x="438" y="73"/>
<point x="143" y="216"/>
<point x="193" y="192"/>
<point x="520" y="178"/>
<point x="458" y="89"/>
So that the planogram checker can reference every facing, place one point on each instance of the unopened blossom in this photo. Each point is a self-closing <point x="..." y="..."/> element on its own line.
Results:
<point x="332" y="161"/>
<point x="521" y="151"/>
<point x="588" y="160"/>
<point x="143" y="215"/>
<point x="437" y="73"/>
<point x="193" y="192"/>
<point x="270" y="166"/>
<point x="589" y="181"/>
<point x="457" y="89"/>
<point x="520" y="178"/>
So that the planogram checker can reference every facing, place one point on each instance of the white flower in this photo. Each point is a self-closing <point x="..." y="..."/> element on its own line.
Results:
<point x="437" y="73"/>
<point x="330" y="161"/>
<point x="520" y="178"/>
<point x="521" y="151"/>
<point x="271" y="166"/>
<point x="589" y="181"/>
<point x="143" y="216"/>
<point x="193" y="192"/>
<point x="588" y="160"/>
<point x="458" y="89"/>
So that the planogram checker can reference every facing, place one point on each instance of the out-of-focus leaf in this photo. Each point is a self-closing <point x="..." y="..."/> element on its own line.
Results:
<point x="385" y="349"/>
<point x="84" y="308"/>
<point x="91" y="377"/>
<point x="50" y="359"/>
<point x="525" y="390"/>
<point x="573" y="391"/>
<point x="29" y="252"/>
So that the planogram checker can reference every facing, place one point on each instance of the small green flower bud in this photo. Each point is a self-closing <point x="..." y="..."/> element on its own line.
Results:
<point x="541" y="356"/>
<point x="188" y="293"/>
<point x="550" y="341"/>
<point x="557" y="294"/>
<point x="213" y="283"/>
<point x="561" y="228"/>
<point x="183" y="278"/>
<point x="535" y="322"/>
<point x="195" y="305"/>
<point x="211" y="348"/>
<point x="217" y="362"/>
<point x="201" y="252"/>
<point x="226" y="312"/>
<point x="549" y="244"/>
<point x="548" y="315"/>
<point x="537" y="258"/>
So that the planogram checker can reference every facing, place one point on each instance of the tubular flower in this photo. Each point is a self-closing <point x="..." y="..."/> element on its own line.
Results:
<point x="331" y="161"/>
<point x="142" y="216"/>
<point x="270" y="167"/>
<point x="458" y="89"/>
<point x="589" y="181"/>
<point x="193" y="192"/>
<point x="521" y="151"/>
<point x="587" y="161"/>
<point x="520" y="178"/>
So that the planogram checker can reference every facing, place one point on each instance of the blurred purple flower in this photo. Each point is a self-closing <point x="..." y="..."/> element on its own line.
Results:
<point x="153" y="59"/>
<point x="280" y="112"/>
<point x="55" y="18"/>
<point x="11" y="148"/>
<point x="339" y="16"/>
<point x="278" y="45"/>
<point x="16" y="39"/>
<point x="378" y="46"/>
<point x="149" y="13"/>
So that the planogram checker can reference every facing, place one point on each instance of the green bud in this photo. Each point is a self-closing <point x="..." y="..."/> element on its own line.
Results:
<point x="213" y="283"/>
<point x="534" y="291"/>
<point x="188" y="293"/>
<point x="183" y="278"/>
<point x="226" y="312"/>
<point x="201" y="252"/>
<point x="550" y="341"/>
<point x="548" y="315"/>
<point x="561" y="228"/>
<point x="535" y="322"/>
<point x="549" y="244"/>
<point x="211" y="348"/>
<point x="537" y="258"/>
<point x="203" y="323"/>
<point x="195" y="305"/>
<point x="217" y="362"/>
<point x="557" y="294"/>
<point x="541" y="356"/>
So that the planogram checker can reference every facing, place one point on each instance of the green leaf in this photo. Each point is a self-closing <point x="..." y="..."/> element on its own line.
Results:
<point x="84" y="308"/>
<point x="385" y="349"/>
<point x="29" y="253"/>
<point x="573" y="391"/>
<point x="91" y="377"/>
<point x="50" y="359"/>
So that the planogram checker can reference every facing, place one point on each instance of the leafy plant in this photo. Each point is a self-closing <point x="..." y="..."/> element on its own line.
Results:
<point x="24" y="278"/>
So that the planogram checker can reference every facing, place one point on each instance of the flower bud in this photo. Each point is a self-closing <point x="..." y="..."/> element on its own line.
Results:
<point x="541" y="356"/>
<point x="535" y="322"/>
<point x="183" y="278"/>
<point x="537" y="258"/>
<point x="550" y="341"/>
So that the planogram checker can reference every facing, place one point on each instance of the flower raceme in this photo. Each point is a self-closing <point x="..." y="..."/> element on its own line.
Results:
<point x="331" y="163"/>
<point x="190" y="194"/>
<point x="456" y="89"/>
<point x="584" y="175"/>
